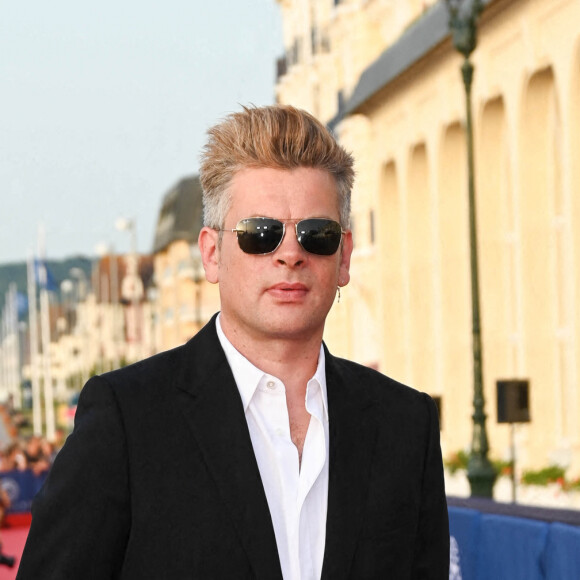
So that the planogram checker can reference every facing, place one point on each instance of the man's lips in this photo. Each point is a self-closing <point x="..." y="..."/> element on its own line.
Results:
<point x="288" y="290"/>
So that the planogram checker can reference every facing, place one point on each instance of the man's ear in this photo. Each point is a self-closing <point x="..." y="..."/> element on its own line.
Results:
<point x="208" y="248"/>
<point x="345" y="254"/>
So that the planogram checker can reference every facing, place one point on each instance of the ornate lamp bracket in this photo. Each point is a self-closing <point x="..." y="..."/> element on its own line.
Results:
<point x="463" y="16"/>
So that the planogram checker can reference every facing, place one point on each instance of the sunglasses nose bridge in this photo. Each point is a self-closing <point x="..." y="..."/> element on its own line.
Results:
<point x="290" y="238"/>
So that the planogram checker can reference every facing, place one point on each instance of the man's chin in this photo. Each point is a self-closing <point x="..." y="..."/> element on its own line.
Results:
<point x="294" y="327"/>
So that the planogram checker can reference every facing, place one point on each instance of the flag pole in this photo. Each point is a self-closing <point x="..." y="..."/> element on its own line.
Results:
<point x="45" y="332"/>
<point x="15" y="378"/>
<point x="34" y="358"/>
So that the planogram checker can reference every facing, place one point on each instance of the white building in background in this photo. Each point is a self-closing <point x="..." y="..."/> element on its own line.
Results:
<point x="99" y="327"/>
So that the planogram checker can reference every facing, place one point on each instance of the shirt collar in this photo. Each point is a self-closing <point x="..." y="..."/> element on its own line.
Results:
<point x="248" y="376"/>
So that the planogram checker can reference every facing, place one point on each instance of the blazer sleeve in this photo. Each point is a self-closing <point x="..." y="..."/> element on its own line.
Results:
<point x="431" y="558"/>
<point x="81" y="516"/>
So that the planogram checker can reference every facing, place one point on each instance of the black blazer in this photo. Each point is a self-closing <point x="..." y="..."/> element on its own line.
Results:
<point x="159" y="480"/>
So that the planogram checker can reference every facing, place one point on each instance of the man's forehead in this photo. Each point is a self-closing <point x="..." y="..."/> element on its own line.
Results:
<point x="251" y="180"/>
<point x="283" y="193"/>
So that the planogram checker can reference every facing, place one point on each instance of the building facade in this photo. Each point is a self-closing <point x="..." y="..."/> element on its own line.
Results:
<point x="389" y="83"/>
<point x="185" y="300"/>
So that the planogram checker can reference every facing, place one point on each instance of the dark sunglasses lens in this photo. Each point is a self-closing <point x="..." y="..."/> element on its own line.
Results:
<point x="259" y="235"/>
<point x="319" y="236"/>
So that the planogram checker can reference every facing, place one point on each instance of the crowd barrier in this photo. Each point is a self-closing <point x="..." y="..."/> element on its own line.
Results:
<point x="21" y="487"/>
<point x="492" y="541"/>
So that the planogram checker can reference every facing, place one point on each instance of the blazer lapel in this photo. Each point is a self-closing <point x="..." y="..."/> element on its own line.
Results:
<point x="214" y="411"/>
<point x="352" y="441"/>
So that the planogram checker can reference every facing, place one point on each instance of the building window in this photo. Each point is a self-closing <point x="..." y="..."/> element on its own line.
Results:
<point x="372" y="227"/>
<point x="281" y="67"/>
<point x="340" y="101"/>
<point x="295" y="51"/>
<point x="314" y="39"/>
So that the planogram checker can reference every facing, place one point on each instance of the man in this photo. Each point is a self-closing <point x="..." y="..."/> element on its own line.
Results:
<point x="252" y="452"/>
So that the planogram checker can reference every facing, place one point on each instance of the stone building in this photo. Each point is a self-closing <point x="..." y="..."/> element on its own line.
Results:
<point x="384" y="74"/>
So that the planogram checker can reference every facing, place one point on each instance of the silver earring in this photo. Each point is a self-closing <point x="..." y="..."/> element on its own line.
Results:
<point x="338" y="288"/>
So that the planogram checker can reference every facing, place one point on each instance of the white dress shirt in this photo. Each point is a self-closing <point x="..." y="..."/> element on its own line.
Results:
<point x="297" y="495"/>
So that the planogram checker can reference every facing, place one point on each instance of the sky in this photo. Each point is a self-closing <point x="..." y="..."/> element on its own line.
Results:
<point x="104" y="107"/>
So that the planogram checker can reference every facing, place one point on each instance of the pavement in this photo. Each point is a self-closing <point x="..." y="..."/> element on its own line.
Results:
<point x="13" y="540"/>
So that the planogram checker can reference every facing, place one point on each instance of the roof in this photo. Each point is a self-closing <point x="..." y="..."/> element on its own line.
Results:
<point x="420" y="38"/>
<point x="181" y="215"/>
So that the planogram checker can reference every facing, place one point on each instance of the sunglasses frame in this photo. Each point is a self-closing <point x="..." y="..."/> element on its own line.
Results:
<point x="237" y="230"/>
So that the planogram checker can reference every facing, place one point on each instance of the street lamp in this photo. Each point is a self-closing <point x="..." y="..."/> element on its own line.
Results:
<point x="81" y="285"/>
<point x="109" y="292"/>
<point x="81" y="288"/>
<point x="463" y="16"/>
<point x="128" y="225"/>
<point x="67" y="288"/>
<point x="132" y="285"/>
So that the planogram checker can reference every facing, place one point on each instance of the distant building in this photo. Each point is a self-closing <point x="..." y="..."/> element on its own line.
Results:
<point x="184" y="301"/>
<point x="124" y="311"/>
<point x="94" y="328"/>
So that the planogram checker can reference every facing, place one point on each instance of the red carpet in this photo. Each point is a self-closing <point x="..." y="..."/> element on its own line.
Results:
<point x="13" y="540"/>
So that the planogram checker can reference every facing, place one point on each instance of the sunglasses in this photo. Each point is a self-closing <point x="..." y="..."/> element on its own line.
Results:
<point x="260" y="235"/>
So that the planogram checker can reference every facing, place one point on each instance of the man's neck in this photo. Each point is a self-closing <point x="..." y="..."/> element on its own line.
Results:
<point x="292" y="360"/>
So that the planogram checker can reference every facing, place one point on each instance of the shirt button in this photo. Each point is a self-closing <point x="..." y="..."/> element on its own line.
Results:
<point x="271" y="384"/>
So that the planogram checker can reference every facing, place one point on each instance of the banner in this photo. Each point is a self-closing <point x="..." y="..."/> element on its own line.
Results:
<point x="21" y="487"/>
<point x="500" y="547"/>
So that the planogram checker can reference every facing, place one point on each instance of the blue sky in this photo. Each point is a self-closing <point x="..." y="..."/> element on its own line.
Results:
<point x="104" y="106"/>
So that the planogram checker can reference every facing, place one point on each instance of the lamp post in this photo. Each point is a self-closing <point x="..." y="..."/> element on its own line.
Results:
<point x="82" y="322"/>
<point x="132" y="286"/>
<point x="109" y="292"/>
<point x="102" y="287"/>
<point x="463" y="16"/>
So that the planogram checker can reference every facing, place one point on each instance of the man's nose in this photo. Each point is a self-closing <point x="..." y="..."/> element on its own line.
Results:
<point x="290" y="252"/>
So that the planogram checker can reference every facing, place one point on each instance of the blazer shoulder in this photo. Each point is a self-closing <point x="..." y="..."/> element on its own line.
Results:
<point x="193" y="361"/>
<point x="161" y="364"/>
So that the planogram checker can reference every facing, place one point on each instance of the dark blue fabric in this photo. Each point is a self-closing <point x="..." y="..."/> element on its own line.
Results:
<point x="21" y="487"/>
<point x="464" y="528"/>
<point x="511" y="548"/>
<point x="487" y="546"/>
<point x="562" y="557"/>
